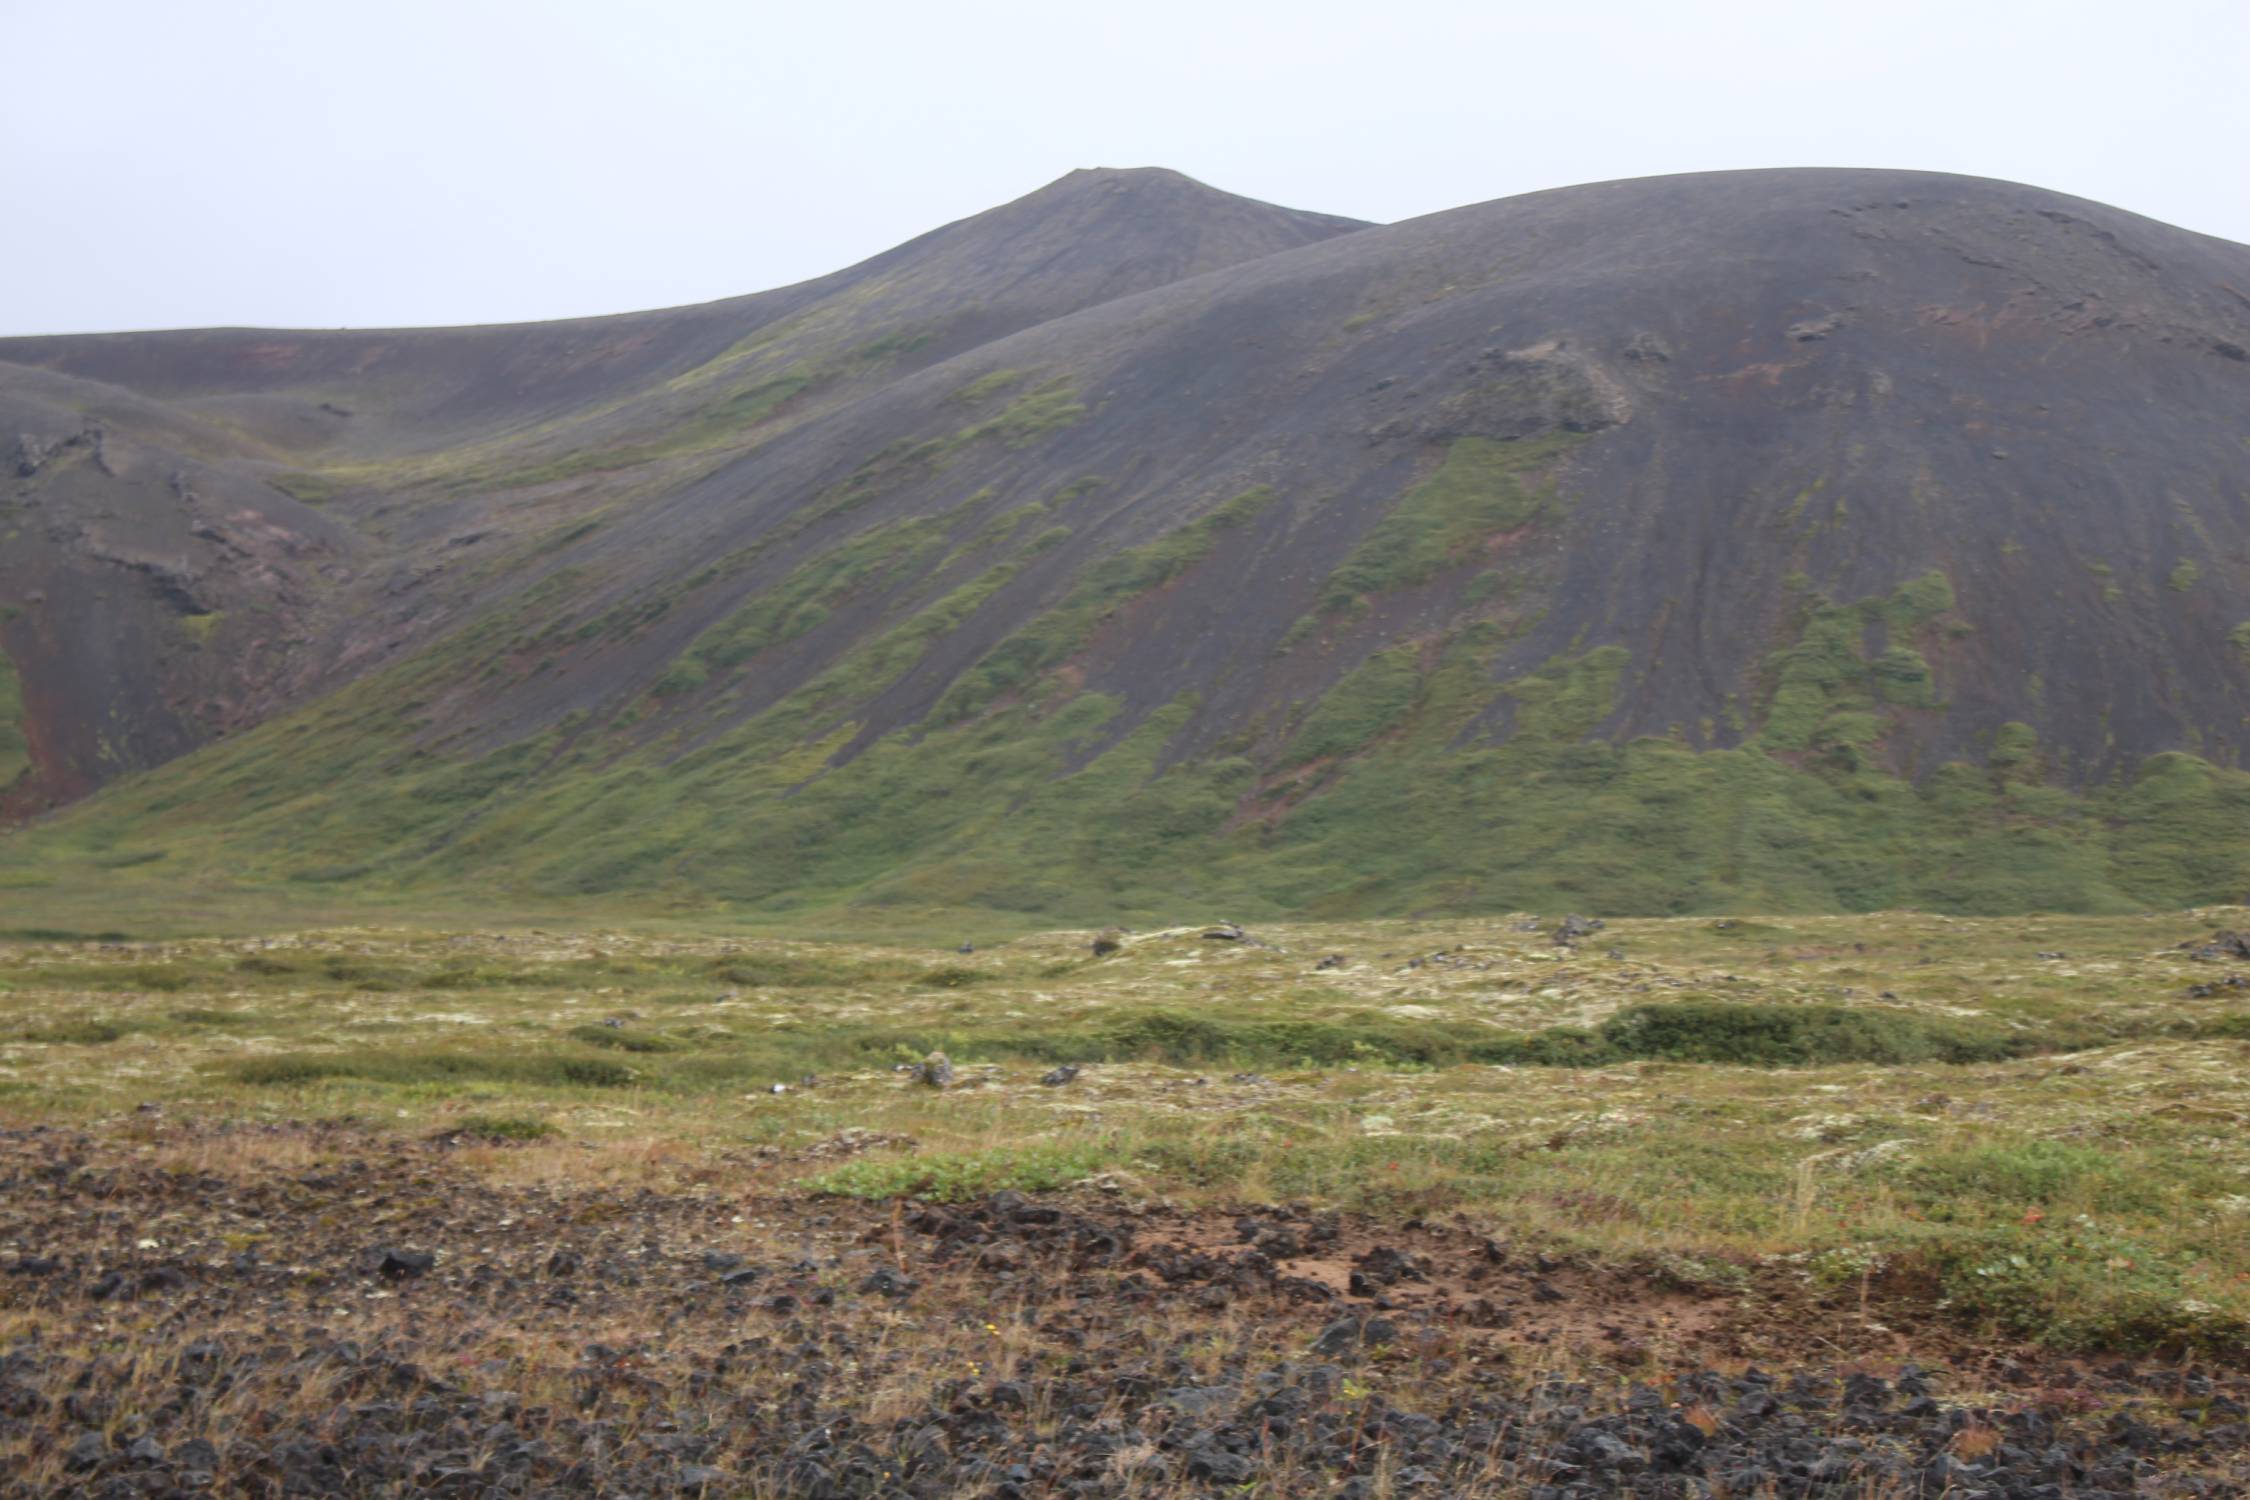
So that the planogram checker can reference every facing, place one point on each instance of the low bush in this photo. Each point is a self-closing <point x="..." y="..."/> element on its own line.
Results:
<point x="432" y="1066"/>
<point x="952" y="1177"/>
<point x="504" y="1127"/>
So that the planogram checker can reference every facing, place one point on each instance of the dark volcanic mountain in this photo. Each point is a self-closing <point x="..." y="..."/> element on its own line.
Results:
<point x="1771" y="538"/>
<point x="181" y="586"/>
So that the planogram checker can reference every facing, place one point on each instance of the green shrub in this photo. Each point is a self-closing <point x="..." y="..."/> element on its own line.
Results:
<point x="1800" y="1035"/>
<point x="505" y="1127"/>
<point x="963" y="1175"/>
<point x="126" y="978"/>
<point x="779" y="971"/>
<point x="90" y="1032"/>
<point x="623" y="1039"/>
<point x="431" y="1066"/>
<point x="61" y="935"/>
<point x="362" y="975"/>
<point x="1764" y="1036"/>
<point x="2076" y="1287"/>
<point x="953" y="977"/>
<point x="2035" y="1174"/>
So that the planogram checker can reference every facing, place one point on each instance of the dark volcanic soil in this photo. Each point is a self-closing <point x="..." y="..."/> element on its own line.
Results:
<point x="289" y="1311"/>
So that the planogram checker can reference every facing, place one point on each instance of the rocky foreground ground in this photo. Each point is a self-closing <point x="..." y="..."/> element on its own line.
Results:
<point x="297" y="1310"/>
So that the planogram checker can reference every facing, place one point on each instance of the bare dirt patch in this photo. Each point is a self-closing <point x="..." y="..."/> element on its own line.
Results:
<point x="280" y="1310"/>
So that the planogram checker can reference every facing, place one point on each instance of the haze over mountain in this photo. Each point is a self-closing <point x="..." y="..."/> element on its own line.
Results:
<point x="1793" y="538"/>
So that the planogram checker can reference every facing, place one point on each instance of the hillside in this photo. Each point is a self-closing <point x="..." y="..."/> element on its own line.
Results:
<point x="142" y="465"/>
<point x="1791" y="539"/>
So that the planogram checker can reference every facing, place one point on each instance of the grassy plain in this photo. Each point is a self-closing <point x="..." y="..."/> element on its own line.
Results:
<point x="2033" y="1126"/>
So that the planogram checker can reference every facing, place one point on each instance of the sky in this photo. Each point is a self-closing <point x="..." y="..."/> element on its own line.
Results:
<point x="337" y="164"/>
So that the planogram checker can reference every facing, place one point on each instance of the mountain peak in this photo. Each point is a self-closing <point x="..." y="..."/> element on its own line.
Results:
<point x="1127" y="174"/>
<point x="1126" y="228"/>
<point x="1088" y="181"/>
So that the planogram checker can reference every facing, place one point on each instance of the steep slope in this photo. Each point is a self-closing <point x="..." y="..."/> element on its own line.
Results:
<point x="153" y="594"/>
<point x="1785" y="538"/>
<point x="142" y="621"/>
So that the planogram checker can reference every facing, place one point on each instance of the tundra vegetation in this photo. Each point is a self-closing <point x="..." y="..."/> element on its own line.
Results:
<point x="1513" y="1160"/>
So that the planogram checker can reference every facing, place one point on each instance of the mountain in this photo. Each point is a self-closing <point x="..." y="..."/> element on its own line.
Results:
<point x="172" y="586"/>
<point x="1788" y="539"/>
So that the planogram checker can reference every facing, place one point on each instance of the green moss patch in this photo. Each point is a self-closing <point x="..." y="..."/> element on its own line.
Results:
<point x="1482" y="490"/>
<point x="15" y="747"/>
<point x="1826" y="695"/>
<point x="1056" y="635"/>
<point x="1370" y="700"/>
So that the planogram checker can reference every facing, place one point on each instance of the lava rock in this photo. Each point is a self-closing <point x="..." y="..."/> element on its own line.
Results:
<point x="196" y="1455"/>
<point x="1574" y="927"/>
<point x="886" y="1282"/>
<point x="403" y="1265"/>
<point x="2223" y="944"/>
<point x="1217" y="1466"/>
<point x="1349" y="1334"/>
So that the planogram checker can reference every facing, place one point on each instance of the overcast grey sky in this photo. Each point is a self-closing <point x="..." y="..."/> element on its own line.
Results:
<point x="171" y="163"/>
